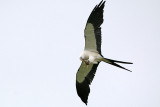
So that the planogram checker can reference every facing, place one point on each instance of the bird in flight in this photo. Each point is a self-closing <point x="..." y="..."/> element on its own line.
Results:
<point x="91" y="56"/>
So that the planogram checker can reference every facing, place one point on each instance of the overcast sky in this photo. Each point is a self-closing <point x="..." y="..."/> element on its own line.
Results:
<point x="40" y="45"/>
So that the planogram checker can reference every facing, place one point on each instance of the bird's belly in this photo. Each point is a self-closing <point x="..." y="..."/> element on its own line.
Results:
<point x="93" y="57"/>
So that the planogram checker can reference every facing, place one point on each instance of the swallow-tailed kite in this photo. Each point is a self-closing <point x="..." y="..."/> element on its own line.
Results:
<point x="91" y="56"/>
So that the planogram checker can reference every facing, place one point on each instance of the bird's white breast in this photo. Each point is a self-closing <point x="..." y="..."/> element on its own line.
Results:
<point x="92" y="56"/>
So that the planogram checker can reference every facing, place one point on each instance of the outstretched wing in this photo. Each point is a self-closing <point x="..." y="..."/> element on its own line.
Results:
<point x="84" y="78"/>
<point x="92" y="30"/>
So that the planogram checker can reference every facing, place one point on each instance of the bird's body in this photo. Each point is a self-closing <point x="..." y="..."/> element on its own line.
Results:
<point x="91" y="56"/>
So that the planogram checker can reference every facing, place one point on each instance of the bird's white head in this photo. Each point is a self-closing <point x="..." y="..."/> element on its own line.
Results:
<point x="84" y="56"/>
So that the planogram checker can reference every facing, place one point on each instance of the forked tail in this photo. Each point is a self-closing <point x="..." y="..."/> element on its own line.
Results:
<point x="114" y="62"/>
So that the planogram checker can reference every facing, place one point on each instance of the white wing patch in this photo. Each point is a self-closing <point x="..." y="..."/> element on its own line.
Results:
<point x="90" y="40"/>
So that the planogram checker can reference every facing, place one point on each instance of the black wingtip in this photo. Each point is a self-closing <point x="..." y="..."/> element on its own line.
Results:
<point x="83" y="91"/>
<point x="101" y="4"/>
<point x="85" y="103"/>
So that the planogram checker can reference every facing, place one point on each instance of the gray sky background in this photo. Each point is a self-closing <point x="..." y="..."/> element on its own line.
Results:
<point x="40" y="44"/>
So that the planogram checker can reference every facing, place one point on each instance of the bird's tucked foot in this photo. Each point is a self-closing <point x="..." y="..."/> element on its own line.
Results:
<point x="86" y="63"/>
